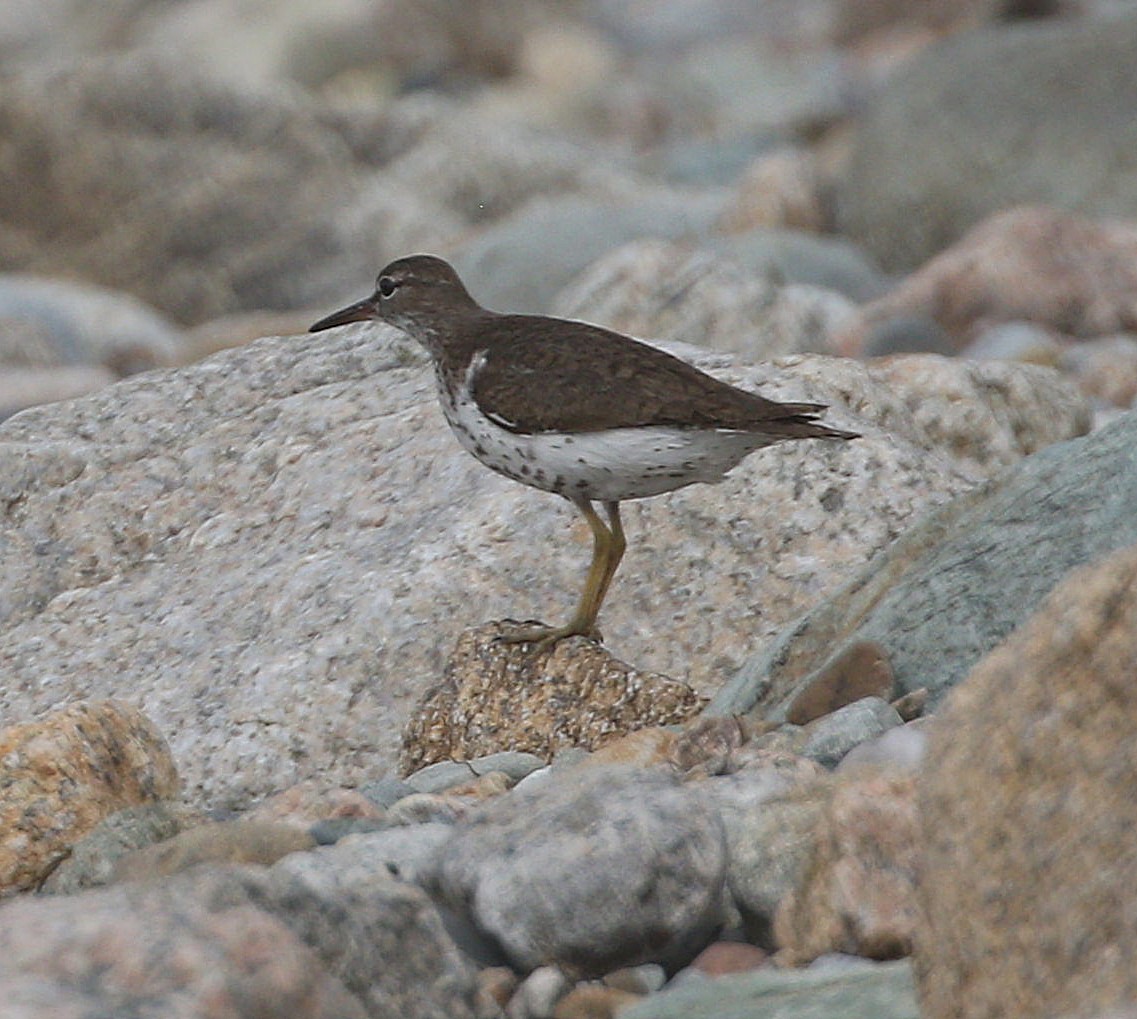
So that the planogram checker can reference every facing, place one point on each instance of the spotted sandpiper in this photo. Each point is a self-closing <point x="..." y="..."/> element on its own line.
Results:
<point x="575" y="409"/>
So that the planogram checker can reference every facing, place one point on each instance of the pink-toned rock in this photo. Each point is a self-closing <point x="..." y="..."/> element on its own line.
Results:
<point x="1043" y="265"/>
<point x="166" y="951"/>
<point x="1027" y="815"/>
<point x="729" y="957"/>
<point x="858" y="893"/>
<point x="778" y="190"/>
<point x="62" y="775"/>
<point x="307" y="802"/>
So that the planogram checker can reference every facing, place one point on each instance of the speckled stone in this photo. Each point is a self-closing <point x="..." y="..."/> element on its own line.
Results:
<point x="574" y="694"/>
<point x="62" y="775"/>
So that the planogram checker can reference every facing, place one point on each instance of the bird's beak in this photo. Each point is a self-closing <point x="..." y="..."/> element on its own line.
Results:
<point x="361" y="311"/>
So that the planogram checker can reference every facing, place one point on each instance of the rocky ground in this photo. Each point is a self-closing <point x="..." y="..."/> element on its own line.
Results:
<point x="858" y="739"/>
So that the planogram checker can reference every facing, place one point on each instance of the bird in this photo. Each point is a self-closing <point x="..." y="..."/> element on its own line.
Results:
<point x="575" y="409"/>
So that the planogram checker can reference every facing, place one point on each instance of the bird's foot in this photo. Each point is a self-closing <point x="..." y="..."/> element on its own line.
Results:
<point x="546" y="636"/>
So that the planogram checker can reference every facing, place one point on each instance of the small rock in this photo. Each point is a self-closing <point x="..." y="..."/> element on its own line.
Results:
<point x="61" y="776"/>
<point x="496" y="985"/>
<point x="94" y="857"/>
<point x="729" y="957"/>
<point x="1105" y="369"/>
<point x="426" y="808"/>
<point x="440" y="777"/>
<point x="780" y="189"/>
<point x="260" y="842"/>
<point x="21" y="388"/>
<point x="859" y="670"/>
<point x="642" y="748"/>
<point x="770" y="816"/>
<point x="572" y="694"/>
<point x="830" y="738"/>
<point x="309" y="802"/>
<point x="538" y="994"/>
<point x="897" y="750"/>
<point x="605" y="867"/>
<point x="1045" y="266"/>
<point x="858" y="893"/>
<point x="710" y="744"/>
<point x="590" y="1001"/>
<point x="643" y="979"/>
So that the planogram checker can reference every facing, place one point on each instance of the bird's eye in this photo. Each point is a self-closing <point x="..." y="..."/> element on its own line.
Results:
<point x="386" y="286"/>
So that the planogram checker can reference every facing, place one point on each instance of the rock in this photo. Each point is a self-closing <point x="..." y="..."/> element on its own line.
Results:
<point x="511" y="266"/>
<point x="382" y="937"/>
<point x="93" y="858"/>
<point x="729" y="957"/>
<point x="831" y="737"/>
<point x="643" y="748"/>
<point x="571" y="694"/>
<point x="285" y="511"/>
<point x="961" y="580"/>
<point x="989" y="413"/>
<point x="1015" y="341"/>
<point x="1027" y="813"/>
<point x="587" y="1001"/>
<point x="651" y="890"/>
<point x="198" y="196"/>
<point x="21" y="388"/>
<point x="1105" y="369"/>
<point x="858" y="890"/>
<point x="899" y="749"/>
<point x="446" y="774"/>
<point x="402" y="852"/>
<point x="881" y="991"/>
<point x="781" y="189"/>
<point x="62" y="775"/>
<point x="794" y="257"/>
<point x="310" y="802"/>
<point x="860" y="671"/>
<point x="673" y="292"/>
<point x="79" y="324"/>
<point x="538" y="994"/>
<point x="258" y="936"/>
<point x="1013" y="133"/>
<point x="769" y="812"/>
<point x="1034" y="264"/>
<point x="239" y="841"/>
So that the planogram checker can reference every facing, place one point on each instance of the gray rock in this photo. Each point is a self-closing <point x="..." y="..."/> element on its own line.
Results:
<point x="538" y="994"/>
<point x="93" y="858"/>
<point x="294" y="942"/>
<point x="608" y="867"/>
<point x="87" y="325"/>
<point x="437" y="778"/>
<point x="512" y="266"/>
<point x="770" y="819"/>
<point x="955" y="585"/>
<point x="285" y="512"/>
<point x="670" y="291"/>
<point x="830" y="738"/>
<point x="987" y="120"/>
<point x="795" y="256"/>
<point x="901" y="748"/>
<point x="868" y="991"/>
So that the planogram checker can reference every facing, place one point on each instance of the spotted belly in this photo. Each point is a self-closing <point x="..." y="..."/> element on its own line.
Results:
<point x="615" y="464"/>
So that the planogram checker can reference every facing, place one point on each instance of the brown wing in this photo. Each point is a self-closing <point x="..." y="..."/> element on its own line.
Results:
<point x="545" y="374"/>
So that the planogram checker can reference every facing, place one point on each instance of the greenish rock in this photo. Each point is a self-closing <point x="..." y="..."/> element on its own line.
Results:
<point x="958" y="582"/>
<point x="872" y="991"/>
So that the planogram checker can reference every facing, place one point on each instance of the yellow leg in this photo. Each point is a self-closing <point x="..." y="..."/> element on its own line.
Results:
<point x="608" y="544"/>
